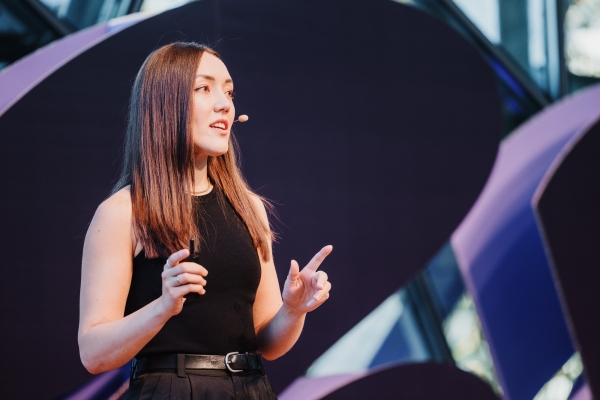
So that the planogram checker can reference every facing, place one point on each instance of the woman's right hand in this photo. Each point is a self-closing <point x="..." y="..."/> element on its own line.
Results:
<point x="180" y="278"/>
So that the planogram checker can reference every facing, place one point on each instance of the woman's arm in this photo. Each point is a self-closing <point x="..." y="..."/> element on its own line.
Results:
<point x="107" y="340"/>
<point x="278" y="322"/>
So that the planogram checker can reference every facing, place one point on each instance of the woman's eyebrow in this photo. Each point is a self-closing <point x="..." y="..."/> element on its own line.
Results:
<point x="212" y="78"/>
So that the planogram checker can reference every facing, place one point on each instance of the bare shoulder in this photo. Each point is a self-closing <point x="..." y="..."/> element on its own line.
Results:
<point x="120" y="202"/>
<point x="114" y="215"/>
<point x="109" y="239"/>
<point x="116" y="207"/>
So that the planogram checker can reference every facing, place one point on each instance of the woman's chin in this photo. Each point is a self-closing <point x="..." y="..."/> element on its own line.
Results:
<point x="213" y="151"/>
<point x="218" y="153"/>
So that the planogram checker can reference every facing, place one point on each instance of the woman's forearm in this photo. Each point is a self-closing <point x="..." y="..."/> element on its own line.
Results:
<point x="280" y="334"/>
<point x="110" y="345"/>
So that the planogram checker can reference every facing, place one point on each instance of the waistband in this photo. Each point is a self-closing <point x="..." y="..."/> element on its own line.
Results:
<point x="233" y="362"/>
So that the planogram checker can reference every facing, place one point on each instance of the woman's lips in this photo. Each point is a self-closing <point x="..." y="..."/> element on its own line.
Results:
<point x="220" y="124"/>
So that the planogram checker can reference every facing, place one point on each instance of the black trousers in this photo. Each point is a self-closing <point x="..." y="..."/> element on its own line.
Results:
<point x="201" y="385"/>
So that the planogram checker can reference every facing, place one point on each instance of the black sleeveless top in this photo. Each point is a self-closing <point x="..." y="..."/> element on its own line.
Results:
<point x="219" y="321"/>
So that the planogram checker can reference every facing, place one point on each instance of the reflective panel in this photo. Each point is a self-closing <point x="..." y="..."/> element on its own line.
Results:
<point x="467" y="343"/>
<point x="458" y="317"/>
<point x="485" y="14"/>
<point x="390" y="334"/>
<point x="58" y="7"/>
<point x="582" y="38"/>
<point x="561" y="386"/>
<point x="161" y="5"/>
<point x="527" y="30"/>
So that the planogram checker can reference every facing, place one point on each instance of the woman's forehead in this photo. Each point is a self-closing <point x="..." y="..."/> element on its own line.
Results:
<point x="212" y="68"/>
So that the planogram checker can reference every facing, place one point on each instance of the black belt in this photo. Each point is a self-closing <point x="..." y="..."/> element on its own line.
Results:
<point x="234" y="362"/>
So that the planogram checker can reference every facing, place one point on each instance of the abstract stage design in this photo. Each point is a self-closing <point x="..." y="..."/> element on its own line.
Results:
<point x="373" y="127"/>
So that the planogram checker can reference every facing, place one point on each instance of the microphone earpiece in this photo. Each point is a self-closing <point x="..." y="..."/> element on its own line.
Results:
<point x="242" y="118"/>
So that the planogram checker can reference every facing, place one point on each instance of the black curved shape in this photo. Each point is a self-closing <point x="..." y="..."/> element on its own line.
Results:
<point x="426" y="381"/>
<point x="569" y="214"/>
<point x="373" y="125"/>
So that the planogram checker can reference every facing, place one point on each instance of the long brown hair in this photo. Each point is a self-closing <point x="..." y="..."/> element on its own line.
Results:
<point x="159" y="157"/>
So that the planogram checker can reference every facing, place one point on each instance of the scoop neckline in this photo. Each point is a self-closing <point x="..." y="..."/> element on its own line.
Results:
<point x="207" y="197"/>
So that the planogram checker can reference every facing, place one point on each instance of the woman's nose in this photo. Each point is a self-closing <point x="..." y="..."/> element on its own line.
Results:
<point x="222" y="103"/>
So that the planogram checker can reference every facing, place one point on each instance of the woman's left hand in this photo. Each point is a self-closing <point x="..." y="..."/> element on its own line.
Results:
<point x="306" y="290"/>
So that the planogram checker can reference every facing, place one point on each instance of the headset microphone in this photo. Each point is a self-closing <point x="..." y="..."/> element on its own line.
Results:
<point x="242" y="118"/>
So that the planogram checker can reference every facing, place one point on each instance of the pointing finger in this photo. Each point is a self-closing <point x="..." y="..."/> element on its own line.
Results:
<point x="319" y="257"/>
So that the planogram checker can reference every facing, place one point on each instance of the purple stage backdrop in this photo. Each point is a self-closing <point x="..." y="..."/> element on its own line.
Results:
<point x="373" y="127"/>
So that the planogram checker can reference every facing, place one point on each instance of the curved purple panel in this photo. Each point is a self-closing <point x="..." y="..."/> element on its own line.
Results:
<point x="309" y="388"/>
<point x="584" y="393"/>
<point x="426" y="381"/>
<point x="568" y="208"/>
<point x="501" y="256"/>
<point x="103" y="386"/>
<point x="20" y="77"/>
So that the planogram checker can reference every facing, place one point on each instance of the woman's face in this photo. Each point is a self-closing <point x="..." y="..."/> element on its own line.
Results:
<point x="213" y="109"/>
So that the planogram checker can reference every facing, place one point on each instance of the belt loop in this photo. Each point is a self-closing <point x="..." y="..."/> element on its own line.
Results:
<point x="260" y="363"/>
<point x="181" y="366"/>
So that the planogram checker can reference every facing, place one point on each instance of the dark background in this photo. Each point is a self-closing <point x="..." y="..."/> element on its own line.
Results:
<point x="372" y="126"/>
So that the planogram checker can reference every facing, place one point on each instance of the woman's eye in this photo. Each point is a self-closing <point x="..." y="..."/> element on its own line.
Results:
<point x="230" y="93"/>
<point x="202" y="89"/>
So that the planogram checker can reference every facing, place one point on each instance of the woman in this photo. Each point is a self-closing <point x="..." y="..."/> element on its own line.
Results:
<point x="142" y="298"/>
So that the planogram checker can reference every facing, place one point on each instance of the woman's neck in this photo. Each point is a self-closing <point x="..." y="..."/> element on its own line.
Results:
<point x="201" y="182"/>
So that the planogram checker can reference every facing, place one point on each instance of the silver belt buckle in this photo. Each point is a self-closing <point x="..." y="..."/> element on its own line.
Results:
<point x="233" y="353"/>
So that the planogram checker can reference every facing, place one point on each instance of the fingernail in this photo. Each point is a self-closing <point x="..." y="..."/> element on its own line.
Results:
<point x="310" y="303"/>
